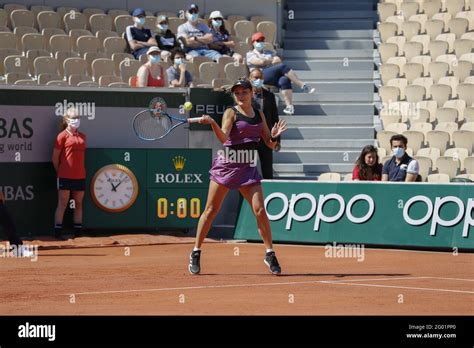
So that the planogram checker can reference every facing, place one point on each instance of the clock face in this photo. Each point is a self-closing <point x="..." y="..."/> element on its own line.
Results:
<point x="114" y="188"/>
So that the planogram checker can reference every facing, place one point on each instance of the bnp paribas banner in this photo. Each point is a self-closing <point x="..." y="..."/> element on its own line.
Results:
<point x="29" y="120"/>
<point x="420" y="215"/>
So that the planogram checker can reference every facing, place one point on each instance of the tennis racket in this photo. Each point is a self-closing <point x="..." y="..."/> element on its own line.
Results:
<point x="155" y="123"/>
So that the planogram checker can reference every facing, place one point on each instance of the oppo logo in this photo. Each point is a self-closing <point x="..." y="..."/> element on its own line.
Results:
<point x="317" y="208"/>
<point x="434" y="211"/>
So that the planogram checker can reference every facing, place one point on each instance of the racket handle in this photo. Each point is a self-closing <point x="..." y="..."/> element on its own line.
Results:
<point x="194" y="119"/>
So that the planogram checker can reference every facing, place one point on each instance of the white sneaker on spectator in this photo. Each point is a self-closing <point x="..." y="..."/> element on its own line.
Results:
<point x="289" y="110"/>
<point x="308" y="89"/>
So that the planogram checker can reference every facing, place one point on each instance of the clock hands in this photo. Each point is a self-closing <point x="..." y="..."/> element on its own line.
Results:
<point x="114" y="188"/>
<point x="118" y="185"/>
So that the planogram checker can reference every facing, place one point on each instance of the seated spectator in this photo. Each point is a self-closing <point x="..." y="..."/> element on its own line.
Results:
<point x="151" y="74"/>
<point x="178" y="76"/>
<point x="275" y="73"/>
<point x="400" y="167"/>
<point x="139" y="38"/>
<point x="164" y="37"/>
<point x="221" y="42"/>
<point x="367" y="166"/>
<point x="196" y="36"/>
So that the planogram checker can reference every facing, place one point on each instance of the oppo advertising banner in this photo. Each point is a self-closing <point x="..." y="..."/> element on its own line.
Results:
<point x="419" y="215"/>
<point x="29" y="120"/>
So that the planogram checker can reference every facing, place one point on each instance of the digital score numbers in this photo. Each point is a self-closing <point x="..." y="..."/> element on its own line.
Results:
<point x="182" y="208"/>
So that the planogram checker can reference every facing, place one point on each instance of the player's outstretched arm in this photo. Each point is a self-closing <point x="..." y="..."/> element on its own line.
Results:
<point x="227" y="120"/>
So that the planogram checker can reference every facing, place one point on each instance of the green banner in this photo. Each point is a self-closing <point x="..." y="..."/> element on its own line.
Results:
<point x="208" y="102"/>
<point x="97" y="213"/>
<point x="145" y="188"/>
<point x="419" y="215"/>
<point x="178" y="168"/>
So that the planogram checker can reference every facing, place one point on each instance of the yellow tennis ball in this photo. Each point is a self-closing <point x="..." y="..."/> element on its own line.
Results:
<point x="188" y="106"/>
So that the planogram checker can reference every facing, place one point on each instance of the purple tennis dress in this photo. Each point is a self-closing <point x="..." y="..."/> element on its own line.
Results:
<point x="236" y="166"/>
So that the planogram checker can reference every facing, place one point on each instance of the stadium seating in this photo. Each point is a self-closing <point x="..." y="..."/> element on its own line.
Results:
<point x="427" y="59"/>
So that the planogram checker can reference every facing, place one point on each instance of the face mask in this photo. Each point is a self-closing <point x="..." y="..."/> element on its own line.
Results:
<point x="74" y="123"/>
<point x="398" y="152"/>
<point x="192" y="17"/>
<point x="178" y="61"/>
<point x="216" y="23"/>
<point x="258" y="83"/>
<point x="259" y="45"/>
<point x="155" y="59"/>
<point x="140" y="21"/>
<point x="163" y="27"/>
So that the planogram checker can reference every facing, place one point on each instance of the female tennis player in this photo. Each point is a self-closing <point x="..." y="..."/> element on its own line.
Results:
<point x="68" y="160"/>
<point x="242" y="127"/>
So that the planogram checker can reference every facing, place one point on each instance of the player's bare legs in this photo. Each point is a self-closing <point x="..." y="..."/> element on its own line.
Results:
<point x="215" y="197"/>
<point x="254" y="196"/>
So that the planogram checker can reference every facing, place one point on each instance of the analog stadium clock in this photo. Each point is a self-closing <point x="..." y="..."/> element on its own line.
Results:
<point x="114" y="188"/>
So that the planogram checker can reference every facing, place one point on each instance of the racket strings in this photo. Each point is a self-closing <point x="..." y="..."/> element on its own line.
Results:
<point x="150" y="126"/>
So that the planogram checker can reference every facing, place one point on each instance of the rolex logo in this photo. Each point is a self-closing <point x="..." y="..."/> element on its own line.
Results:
<point x="179" y="162"/>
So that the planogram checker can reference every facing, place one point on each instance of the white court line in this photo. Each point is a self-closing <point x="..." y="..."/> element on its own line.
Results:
<point x="404" y="287"/>
<point x="221" y="286"/>
<point x="373" y="279"/>
<point x="460" y="279"/>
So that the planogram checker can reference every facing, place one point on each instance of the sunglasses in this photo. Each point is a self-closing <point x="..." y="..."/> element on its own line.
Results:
<point x="193" y="11"/>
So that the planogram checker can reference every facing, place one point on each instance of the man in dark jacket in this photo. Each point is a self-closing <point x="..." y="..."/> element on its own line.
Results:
<point x="164" y="37"/>
<point x="265" y="101"/>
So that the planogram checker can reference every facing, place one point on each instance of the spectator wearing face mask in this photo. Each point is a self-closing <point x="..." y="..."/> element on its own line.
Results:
<point x="151" y="74"/>
<point x="196" y="36"/>
<point x="265" y="101"/>
<point x="164" y="37"/>
<point x="178" y="75"/>
<point x="275" y="73"/>
<point x="400" y="167"/>
<point x="69" y="163"/>
<point x="222" y="43"/>
<point x="139" y="38"/>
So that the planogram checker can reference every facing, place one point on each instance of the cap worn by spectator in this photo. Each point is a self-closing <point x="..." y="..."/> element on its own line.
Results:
<point x="138" y="12"/>
<point x="216" y="14"/>
<point x="153" y="49"/>
<point x="162" y="19"/>
<point x="258" y="36"/>
<point x="193" y="7"/>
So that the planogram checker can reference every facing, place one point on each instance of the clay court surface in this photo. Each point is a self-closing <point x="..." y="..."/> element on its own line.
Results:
<point x="153" y="280"/>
